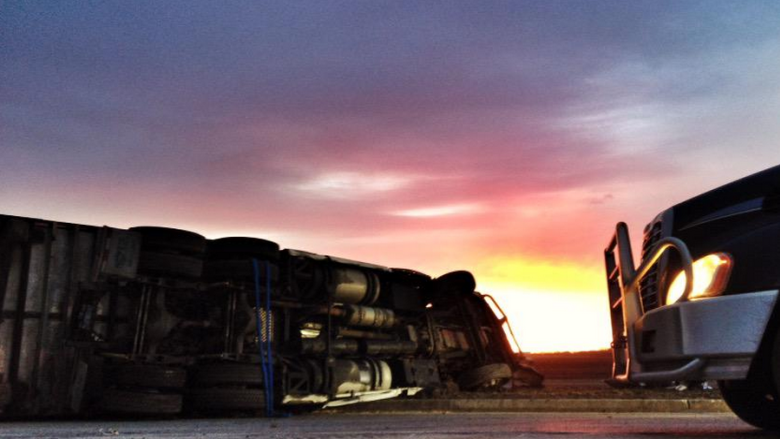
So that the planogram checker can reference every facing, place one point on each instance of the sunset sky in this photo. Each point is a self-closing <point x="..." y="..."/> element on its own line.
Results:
<point x="505" y="138"/>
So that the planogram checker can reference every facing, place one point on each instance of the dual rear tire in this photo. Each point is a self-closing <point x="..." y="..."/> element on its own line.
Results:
<point x="170" y="253"/>
<point x="144" y="389"/>
<point x="222" y="387"/>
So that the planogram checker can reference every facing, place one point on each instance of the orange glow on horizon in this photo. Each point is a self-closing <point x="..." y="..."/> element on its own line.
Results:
<point x="552" y="307"/>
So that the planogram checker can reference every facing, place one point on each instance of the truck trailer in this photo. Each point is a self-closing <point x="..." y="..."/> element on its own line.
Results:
<point x="159" y="321"/>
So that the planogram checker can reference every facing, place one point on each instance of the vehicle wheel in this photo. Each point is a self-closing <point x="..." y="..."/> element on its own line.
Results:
<point x="491" y="375"/>
<point x="125" y="401"/>
<point x="218" y="399"/>
<point x="238" y="270"/>
<point x="453" y="284"/>
<point x="165" y="239"/>
<point x="217" y="374"/>
<point x="163" y="264"/>
<point x="149" y="375"/>
<point x="409" y="284"/>
<point x="239" y="248"/>
<point x="750" y="400"/>
<point x="756" y="400"/>
<point x="410" y="276"/>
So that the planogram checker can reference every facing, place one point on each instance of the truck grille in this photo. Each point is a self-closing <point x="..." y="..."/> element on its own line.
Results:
<point x="648" y="287"/>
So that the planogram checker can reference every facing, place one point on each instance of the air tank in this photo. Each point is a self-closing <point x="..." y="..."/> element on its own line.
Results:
<point x="354" y="286"/>
<point x="357" y="315"/>
<point x="360" y="376"/>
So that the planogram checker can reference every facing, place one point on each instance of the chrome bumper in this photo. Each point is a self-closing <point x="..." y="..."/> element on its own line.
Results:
<point x="712" y="338"/>
<point x="720" y="336"/>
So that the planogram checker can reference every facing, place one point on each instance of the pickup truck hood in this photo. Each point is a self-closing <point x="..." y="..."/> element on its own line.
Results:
<point x="742" y="219"/>
<point x="757" y="192"/>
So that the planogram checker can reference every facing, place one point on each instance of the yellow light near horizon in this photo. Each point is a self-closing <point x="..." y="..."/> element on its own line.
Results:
<point x="554" y="321"/>
<point x="552" y="307"/>
<point x="540" y="275"/>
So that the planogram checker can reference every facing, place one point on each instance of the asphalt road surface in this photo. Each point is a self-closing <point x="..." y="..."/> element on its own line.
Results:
<point x="392" y="426"/>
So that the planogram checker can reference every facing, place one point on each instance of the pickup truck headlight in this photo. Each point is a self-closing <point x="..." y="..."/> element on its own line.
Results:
<point x="710" y="276"/>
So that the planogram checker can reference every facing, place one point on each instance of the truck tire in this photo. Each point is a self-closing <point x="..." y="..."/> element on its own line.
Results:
<point x="166" y="239"/>
<point x="150" y="375"/>
<point x="490" y="375"/>
<point x="226" y="399"/>
<point x="756" y="400"/>
<point x="169" y="265"/>
<point x="240" y="248"/>
<point x="131" y="402"/>
<point x="218" y="374"/>
<point x="238" y="270"/>
<point x="410" y="276"/>
<point x="453" y="284"/>
<point x="749" y="400"/>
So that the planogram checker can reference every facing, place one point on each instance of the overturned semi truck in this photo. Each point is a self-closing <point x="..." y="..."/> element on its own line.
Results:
<point x="162" y="321"/>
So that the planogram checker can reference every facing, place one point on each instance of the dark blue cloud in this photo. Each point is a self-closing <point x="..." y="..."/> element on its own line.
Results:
<point x="350" y="56"/>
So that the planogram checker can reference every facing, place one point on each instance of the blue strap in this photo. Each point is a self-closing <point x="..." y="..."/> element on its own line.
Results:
<point x="269" y="350"/>
<point x="266" y="365"/>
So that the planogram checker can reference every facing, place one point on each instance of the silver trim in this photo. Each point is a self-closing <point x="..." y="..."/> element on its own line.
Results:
<point x="629" y="287"/>
<point x="670" y="375"/>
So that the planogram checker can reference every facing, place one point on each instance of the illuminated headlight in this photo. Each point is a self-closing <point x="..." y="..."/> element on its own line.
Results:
<point x="710" y="276"/>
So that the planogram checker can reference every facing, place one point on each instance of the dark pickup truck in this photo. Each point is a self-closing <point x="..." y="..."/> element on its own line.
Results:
<point x="702" y="303"/>
<point x="162" y="321"/>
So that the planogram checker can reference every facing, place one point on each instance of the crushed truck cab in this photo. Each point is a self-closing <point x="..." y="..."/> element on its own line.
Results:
<point x="701" y="303"/>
